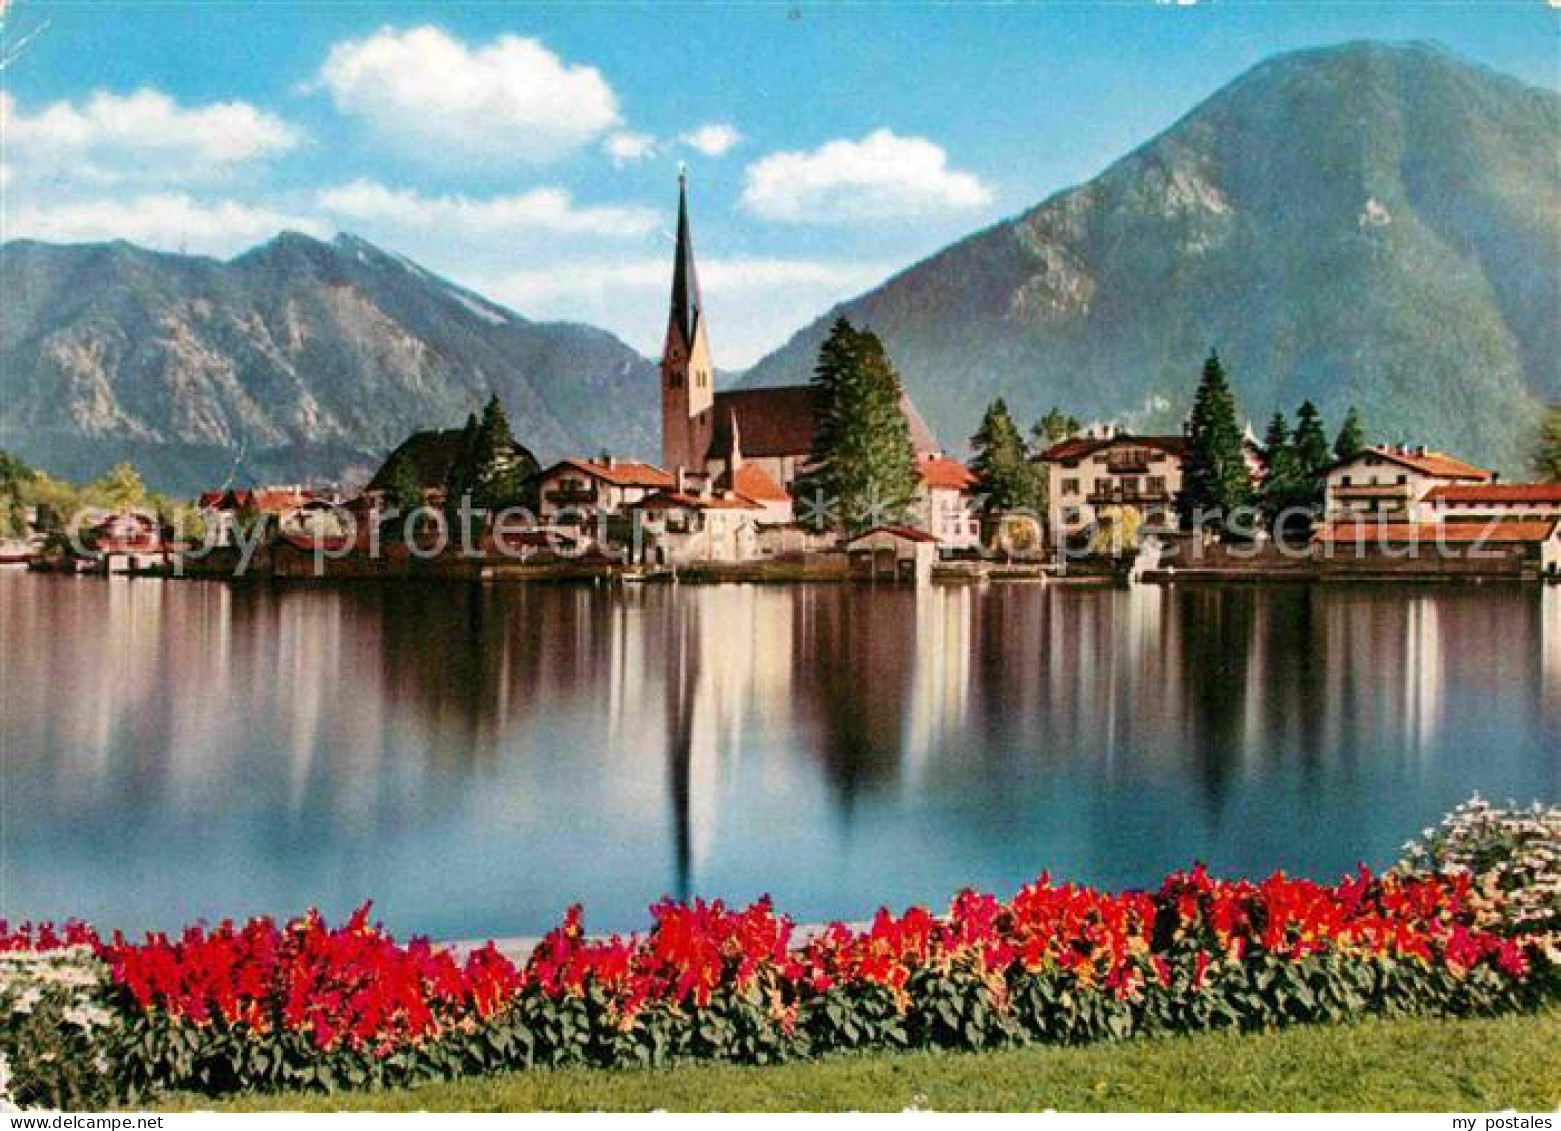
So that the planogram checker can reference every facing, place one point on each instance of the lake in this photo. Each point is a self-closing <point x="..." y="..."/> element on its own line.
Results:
<point x="476" y="758"/>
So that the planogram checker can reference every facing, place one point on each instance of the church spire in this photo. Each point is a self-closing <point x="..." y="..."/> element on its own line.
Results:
<point x="687" y="307"/>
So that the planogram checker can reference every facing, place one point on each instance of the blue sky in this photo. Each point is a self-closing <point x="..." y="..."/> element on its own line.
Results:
<point x="530" y="151"/>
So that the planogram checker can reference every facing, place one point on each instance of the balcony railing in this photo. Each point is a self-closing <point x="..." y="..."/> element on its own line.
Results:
<point x="572" y="496"/>
<point x="1117" y="495"/>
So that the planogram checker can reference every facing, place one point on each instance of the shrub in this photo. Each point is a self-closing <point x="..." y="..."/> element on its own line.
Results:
<point x="1513" y="854"/>
<point x="54" y="1019"/>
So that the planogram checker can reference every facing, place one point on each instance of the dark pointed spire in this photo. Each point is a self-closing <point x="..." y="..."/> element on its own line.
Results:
<point x="687" y="306"/>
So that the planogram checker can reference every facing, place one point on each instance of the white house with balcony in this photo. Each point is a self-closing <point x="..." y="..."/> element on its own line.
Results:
<point x="576" y="492"/>
<point x="1391" y="483"/>
<point x="1104" y="468"/>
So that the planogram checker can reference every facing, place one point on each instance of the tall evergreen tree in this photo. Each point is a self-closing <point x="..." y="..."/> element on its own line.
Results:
<point x="862" y="469"/>
<point x="1312" y="454"/>
<point x="1280" y="479"/>
<point x="1311" y="441"/>
<point x="1215" y="478"/>
<point x="1002" y="464"/>
<point x="1351" y="439"/>
<point x="499" y="468"/>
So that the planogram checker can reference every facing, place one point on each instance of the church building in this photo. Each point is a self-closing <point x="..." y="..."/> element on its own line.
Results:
<point x="751" y="441"/>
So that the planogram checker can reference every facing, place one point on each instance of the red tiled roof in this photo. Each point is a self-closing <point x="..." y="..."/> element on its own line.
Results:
<point x="780" y="422"/>
<point x="909" y="533"/>
<point x="1491" y="532"/>
<point x="1495" y="493"/>
<point x="1080" y="446"/>
<point x="667" y="500"/>
<point x="268" y="500"/>
<point x="620" y="474"/>
<point x="1438" y="464"/>
<point x="754" y="482"/>
<point x="940" y="471"/>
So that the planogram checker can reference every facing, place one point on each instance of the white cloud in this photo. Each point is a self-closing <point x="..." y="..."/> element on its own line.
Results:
<point x="144" y="134"/>
<point x="882" y="176"/>
<point x="172" y="222"/>
<point x="713" y="140"/>
<point x="624" y="147"/>
<point x="543" y="209"/>
<point x="755" y="303"/>
<point x="510" y="99"/>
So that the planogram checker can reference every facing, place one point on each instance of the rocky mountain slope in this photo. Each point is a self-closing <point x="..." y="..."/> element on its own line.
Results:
<point x="1366" y="224"/>
<point x="299" y="358"/>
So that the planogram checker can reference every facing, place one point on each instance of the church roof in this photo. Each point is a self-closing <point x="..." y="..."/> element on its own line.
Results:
<point x="687" y="307"/>
<point x="753" y="482"/>
<point x="781" y="421"/>
<point x="938" y="471"/>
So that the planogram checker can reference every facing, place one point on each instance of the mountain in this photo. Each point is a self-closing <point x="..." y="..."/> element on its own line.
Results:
<point x="297" y="359"/>
<point x="1366" y="224"/>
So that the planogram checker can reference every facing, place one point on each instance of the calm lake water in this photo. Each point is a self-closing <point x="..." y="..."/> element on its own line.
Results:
<point x="475" y="759"/>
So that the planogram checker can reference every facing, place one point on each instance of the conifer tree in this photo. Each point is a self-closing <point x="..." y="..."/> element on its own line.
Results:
<point x="1312" y="454"/>
<point x="1279" y="480"/>
<point x="1311" y="441"/>
<point x="1351" y="439"/>
<point x="1215" y="479"/>
<point x="862" y="466"/>
<point x="1002" y="464"/>
<point x="499" y="468"/>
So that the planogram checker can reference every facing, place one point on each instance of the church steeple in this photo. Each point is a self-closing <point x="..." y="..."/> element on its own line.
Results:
<point x="687" y="308"/>
<point x="687" y="388"/>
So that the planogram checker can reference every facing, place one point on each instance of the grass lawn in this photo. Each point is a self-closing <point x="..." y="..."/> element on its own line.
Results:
<point x="1481" y="1065"/>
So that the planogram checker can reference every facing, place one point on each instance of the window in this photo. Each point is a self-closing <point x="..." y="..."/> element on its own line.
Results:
<point x="1402" y="479"/>
<point x="1157" y="484"/>
<point x="1070" y="515"/>
<point x="1070" y="486"/>
<point x="1345" y="482"/>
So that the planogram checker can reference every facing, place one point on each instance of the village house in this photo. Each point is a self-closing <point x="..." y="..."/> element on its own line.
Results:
<point x="893" y="553"/>
<point x="578" y="492"/>
<point x="1393" y="482"/>
<point x="944" y="506"/>
<point x="126" y="540"/>
<point x="684" y="526"/>
<point x="1453" y="502"/>
<point x="1104" y="468"/>
<point x="296" y="510"/>
<point x="710" y="433"/>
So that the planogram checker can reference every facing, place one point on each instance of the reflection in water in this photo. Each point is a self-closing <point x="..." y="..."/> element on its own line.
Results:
<point x="477" y="758"/>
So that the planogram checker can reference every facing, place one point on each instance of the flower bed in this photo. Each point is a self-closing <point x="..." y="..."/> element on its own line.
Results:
<point x="308" y="1005"/>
